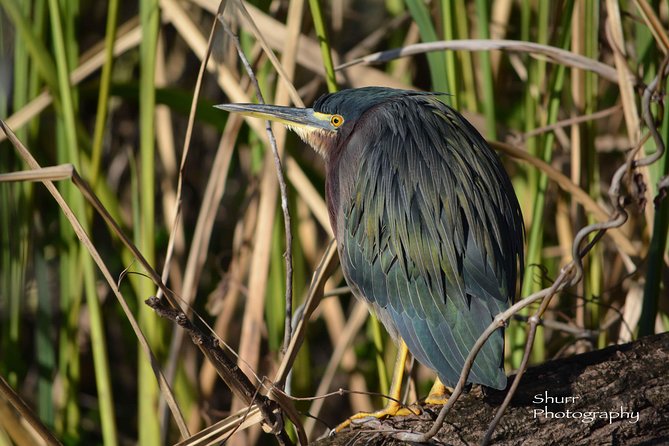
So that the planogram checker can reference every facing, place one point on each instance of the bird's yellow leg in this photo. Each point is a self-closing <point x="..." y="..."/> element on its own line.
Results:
<point x="439" y="393"/>
<point x="394" y="407"/>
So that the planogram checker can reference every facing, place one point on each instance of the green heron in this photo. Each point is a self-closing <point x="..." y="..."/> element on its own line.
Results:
<point x="428" y="228"/>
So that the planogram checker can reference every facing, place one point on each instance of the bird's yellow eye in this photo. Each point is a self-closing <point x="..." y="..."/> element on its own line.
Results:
<point x="336" y="120"/>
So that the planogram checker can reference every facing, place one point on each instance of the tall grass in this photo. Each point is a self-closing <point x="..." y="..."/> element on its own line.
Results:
<point x="59" y="328"/>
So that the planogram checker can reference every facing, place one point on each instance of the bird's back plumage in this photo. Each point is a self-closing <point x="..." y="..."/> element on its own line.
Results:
<point x="429" y="229"/>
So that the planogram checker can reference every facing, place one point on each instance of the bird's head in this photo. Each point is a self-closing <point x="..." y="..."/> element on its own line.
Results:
<point x="331" y="117"/>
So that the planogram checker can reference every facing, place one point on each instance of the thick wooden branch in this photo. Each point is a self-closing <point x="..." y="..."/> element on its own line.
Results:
<point x="618" y="395"/>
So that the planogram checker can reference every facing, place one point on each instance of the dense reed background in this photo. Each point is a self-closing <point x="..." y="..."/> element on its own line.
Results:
<point x="108" y="86"/>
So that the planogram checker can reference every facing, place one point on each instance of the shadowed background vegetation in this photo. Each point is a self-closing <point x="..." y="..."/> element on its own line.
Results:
<point x="108" y="87"/>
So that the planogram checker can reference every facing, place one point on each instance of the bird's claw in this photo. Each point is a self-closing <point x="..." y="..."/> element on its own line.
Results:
<point x="439" y="394"/>
<point x="391" y="410"/>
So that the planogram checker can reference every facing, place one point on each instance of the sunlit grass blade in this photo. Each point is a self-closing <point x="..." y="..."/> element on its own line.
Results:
<point x="447" y="23"/>
<point x="658" y="249"/>
<point x="436" y="61"/>
<point x="485" y="73"/>
<point x="103" y="97"/>
<point x="145" y="234"/>
<point x="319" y="25"/>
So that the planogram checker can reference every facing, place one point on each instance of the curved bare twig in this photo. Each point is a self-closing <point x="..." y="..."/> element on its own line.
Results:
<point x="553" y="54"/>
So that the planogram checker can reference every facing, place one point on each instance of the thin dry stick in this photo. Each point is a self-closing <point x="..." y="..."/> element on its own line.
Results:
<point x="213" y="434"/>
<point x="554" y="54"/>
<point x="571" y="121"/>
<point x="288" y="330"/>
<point x="284" y="90"/>
<point x="654" y="24"/>
<point x="245" y="417"/>
<point x="575" y="332"/>
<point x="613" y="28"/>
<point x="10" y="395"/>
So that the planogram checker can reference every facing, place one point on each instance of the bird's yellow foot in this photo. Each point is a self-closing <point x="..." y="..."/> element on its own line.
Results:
<point x="439" y="394"/>
<point x="393" y="409"/>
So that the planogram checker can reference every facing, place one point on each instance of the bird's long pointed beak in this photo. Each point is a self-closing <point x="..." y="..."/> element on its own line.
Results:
<point x="293" y="117"/>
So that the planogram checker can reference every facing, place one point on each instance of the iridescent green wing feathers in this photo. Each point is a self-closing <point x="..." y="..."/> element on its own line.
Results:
<point x="430" y="232"/>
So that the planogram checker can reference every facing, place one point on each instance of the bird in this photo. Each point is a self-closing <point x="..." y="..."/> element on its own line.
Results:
<point x="428" y="228"/>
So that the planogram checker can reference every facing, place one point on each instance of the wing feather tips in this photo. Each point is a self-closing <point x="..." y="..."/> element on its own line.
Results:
<point x="444" y="350"/>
